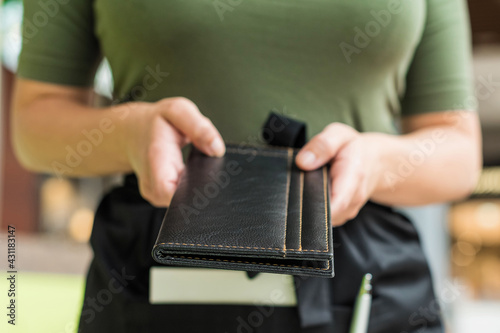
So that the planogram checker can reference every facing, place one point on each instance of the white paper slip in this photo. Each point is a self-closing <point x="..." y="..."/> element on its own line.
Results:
<point x="174" y="285"/>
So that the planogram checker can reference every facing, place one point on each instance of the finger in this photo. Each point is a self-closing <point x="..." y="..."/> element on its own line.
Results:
<point x="184" y="115"/>
<point x="165" y="169"/>
<point x="159" y="192"/>
<point x="163" y="165"/>
<point x="346" y="190"/>
<point x="324" y="146"/>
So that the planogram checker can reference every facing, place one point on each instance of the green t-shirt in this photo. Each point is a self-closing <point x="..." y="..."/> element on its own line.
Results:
<point x="359" y="62"/>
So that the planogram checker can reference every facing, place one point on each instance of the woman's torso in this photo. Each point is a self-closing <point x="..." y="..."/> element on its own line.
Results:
<point x="320" y="61"/>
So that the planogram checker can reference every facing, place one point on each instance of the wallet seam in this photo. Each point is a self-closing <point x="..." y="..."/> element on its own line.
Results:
<point x="228" y="246"/>
<point x="301" y="191"/>
<point x="255" y="152"/>
<point x="325" y="189"/>
<point x="287" y="195"/>
<point x="276" y="148"/>
<point x="239" y="247"/>
<point x="326" y="219"/>
<point x="252" y="262"/>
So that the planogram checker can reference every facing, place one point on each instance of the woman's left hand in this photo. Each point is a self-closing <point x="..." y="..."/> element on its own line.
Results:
<point x="355" y="170"/>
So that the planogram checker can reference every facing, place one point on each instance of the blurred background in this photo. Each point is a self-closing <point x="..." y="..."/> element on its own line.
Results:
<point x="53" y="217"/>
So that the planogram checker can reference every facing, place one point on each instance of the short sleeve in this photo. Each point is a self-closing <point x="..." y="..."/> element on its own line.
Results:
<point x="59" y="44"/>
<point x="440" y="75"/>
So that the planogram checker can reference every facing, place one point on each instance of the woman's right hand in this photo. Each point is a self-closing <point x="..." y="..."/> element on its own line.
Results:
<point x="155" y="135"/>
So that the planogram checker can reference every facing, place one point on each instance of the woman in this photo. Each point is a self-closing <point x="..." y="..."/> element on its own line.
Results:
<point x="385" y="89"/>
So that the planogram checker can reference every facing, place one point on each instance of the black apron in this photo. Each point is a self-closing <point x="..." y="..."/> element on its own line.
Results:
<point x="379" y="241"/>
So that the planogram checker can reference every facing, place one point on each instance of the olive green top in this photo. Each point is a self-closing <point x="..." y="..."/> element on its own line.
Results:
<point x="360" y="62"/>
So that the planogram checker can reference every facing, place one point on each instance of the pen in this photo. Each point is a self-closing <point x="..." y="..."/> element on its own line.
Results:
<point x="361" y="316"/>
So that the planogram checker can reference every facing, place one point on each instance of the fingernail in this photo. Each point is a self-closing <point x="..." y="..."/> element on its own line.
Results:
<point x="307" y="158"/>
<point x="217" y="147"/>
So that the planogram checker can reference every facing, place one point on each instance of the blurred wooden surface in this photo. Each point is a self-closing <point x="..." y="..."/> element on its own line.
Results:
<point x="19" y="187"/>
<point x="485" y="21"/>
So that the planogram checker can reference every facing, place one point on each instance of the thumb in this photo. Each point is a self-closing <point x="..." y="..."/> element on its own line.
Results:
<point x="324" y="146"/>
<point x="184" y="115"/>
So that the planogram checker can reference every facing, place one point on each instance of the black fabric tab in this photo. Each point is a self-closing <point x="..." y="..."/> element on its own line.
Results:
<point x="279" y="130"/>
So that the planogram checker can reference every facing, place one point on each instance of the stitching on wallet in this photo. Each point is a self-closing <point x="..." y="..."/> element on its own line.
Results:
<point x="300" y="208"/>
<point x="239" y="247"/>
<point x="252" y="262"/>
<point x="326" y="218"/>
<point x="288" y="176"/>
<point x="276" y="148"/>
<point x="326" y="207"/>
<point x="254" y="152"/>
<point x="228" y="246"/>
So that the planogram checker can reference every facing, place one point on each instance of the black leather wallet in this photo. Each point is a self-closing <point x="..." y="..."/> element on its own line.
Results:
<point x="251" y="210"/>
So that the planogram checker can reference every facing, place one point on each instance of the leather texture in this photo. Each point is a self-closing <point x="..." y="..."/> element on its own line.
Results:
<point x="250" y="210"/>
